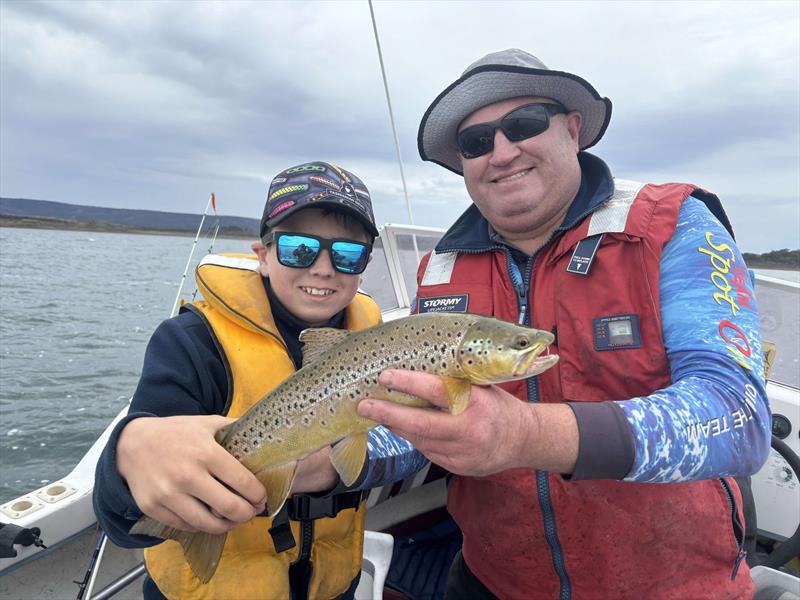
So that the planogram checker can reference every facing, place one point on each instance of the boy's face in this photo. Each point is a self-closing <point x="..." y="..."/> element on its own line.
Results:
<point x="318" y="292"/>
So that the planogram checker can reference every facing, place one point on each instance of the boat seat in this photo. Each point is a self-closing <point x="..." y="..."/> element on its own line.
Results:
<point x="378" y="548"/>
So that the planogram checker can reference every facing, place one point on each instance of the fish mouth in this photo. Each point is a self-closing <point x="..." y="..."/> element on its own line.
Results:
<point x="531" y="361"/>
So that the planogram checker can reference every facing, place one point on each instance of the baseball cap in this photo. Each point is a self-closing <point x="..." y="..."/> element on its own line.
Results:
<point x="319" y="185"/>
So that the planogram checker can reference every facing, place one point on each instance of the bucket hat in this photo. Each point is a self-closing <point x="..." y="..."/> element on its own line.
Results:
<point x="498" y="76"/>
<point x="320" y="185"/>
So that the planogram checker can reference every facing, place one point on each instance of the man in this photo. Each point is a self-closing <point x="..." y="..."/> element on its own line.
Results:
<point x="215" y="360"/>
<point x="660" y="378"/>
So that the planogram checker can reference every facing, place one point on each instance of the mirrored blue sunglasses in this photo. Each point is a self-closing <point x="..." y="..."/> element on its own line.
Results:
<point x="299" y="251"/>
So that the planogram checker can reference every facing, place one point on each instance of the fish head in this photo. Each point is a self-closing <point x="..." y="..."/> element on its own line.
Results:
<point x="493" y="351"/>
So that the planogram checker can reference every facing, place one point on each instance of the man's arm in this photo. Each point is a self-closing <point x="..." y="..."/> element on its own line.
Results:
<point x="496" y="432"/>
<point x="712" y="421"/>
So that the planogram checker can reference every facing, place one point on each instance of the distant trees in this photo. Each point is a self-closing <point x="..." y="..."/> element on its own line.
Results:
<point x="776" y="259"/>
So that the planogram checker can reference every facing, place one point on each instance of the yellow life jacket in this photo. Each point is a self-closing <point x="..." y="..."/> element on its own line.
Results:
<point x="237" y="311"/>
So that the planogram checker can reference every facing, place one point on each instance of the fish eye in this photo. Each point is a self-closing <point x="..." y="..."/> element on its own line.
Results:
<point x="521" y="341"/>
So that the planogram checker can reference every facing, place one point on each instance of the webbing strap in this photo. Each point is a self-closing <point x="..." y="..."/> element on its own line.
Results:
<point x="281" y="532"/>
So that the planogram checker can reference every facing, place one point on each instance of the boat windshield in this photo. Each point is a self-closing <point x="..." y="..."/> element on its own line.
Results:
<point x="779" y="308"/>
<point x="391" y="276"/>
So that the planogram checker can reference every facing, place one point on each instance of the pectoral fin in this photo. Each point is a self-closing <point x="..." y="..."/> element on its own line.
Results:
<point x="278" y="482"/>
<point x="348" y="457"/>
<point x="201" y="550"/>
<point x="319" y="339"/>
<point x="457" y="393"/>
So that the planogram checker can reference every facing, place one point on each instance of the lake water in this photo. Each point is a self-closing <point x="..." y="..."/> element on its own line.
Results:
<point x="76" y="312"/>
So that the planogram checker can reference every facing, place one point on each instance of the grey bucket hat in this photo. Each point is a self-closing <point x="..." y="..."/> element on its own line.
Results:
<point x="499" y="76"/>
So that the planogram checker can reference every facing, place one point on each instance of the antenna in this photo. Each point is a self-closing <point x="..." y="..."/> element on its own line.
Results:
<point x="394" y="128"/>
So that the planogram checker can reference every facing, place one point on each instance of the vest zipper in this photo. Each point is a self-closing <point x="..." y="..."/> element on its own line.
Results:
<point x="542" y="480"/>
<point x="299" y="584"/>
<point x="542" y="477"/>
<point x="306" y="539"/>
<point x="738" y="528"/>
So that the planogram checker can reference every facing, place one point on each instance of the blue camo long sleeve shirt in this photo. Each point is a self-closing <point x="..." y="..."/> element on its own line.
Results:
<point x="714" y="419"/>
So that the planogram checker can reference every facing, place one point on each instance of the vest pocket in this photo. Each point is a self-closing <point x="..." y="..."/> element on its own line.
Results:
<point x="616" y="290"/>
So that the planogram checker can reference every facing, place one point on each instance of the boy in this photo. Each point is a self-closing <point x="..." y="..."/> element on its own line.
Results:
<point x="219" y="357"/>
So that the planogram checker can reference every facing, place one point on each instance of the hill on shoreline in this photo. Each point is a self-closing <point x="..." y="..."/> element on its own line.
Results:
<point x="44" y="214"/>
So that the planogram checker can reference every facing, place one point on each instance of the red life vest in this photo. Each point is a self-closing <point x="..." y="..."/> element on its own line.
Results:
<point x="530" y="534"/>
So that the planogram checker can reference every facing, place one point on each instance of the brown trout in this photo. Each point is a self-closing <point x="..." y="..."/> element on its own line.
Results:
<point x="316" y="406"/>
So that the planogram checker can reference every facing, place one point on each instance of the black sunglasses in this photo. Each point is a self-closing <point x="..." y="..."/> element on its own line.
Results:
<point x="299" y="251"/>
<point x="520" y="124"/>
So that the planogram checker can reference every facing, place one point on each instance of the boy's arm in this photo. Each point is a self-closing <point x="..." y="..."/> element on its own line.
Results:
<point x="162" y="458"/>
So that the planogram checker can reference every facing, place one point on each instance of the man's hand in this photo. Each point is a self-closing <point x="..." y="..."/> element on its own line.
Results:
<point x="495" y="433"/>
<point x="179" y="474"/>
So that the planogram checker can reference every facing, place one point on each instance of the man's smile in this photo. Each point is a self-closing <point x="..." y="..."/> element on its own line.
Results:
<point x="513" y="176"/>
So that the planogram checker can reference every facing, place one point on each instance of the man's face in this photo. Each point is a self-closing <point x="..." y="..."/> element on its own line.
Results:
<point x="316" y="293"/>
<point x="521" y="187"/>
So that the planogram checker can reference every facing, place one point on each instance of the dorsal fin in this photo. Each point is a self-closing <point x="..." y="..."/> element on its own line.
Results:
<point x="319" y="339"/>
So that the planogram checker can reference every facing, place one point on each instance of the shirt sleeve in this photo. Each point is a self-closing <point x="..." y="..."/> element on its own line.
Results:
<point x="182" y="374"/>
<point x="714" y="419"/>
<point x="390" y="458"/>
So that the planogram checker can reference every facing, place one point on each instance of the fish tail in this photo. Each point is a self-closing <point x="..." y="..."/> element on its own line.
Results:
<point x="201" y="550"/>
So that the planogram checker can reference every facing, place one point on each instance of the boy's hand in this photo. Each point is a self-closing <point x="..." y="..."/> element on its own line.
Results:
<point x="179" y="475"/>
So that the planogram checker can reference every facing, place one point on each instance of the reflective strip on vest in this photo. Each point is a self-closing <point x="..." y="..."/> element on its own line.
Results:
<point x="440" y="268"/>
<point x="233" y="262"/>
<point x="613" y="215"/>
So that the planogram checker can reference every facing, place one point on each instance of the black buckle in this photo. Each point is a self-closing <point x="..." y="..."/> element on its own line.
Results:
<point x="304" y="507"/>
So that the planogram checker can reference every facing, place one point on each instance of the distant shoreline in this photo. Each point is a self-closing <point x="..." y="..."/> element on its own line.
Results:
<point x="753" y="262"/>
<point x="40" y="223"/>
<point x="771" y="267"/>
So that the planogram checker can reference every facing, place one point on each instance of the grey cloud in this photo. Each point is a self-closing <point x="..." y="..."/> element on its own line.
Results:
<point x="158" y="103"/>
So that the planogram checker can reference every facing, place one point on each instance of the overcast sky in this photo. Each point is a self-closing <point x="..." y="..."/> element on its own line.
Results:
<point x="156" y="104"/>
